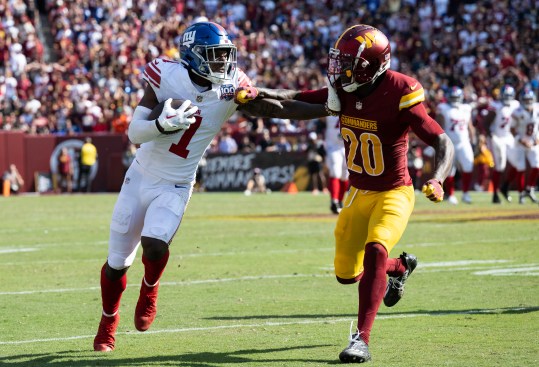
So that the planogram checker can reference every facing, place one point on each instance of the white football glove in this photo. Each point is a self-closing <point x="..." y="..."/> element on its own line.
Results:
<point x="333" y="104"/>
<point x="172" y="120"/>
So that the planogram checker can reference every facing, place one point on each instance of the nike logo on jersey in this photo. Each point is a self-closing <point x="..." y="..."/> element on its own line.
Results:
<point x="412" y="87"/>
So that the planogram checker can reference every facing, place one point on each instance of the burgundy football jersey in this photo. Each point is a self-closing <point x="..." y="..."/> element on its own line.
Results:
<point x="375" y="130"/>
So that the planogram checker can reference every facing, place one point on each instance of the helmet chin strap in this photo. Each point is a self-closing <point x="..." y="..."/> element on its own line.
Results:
<point x="351" y="87"/>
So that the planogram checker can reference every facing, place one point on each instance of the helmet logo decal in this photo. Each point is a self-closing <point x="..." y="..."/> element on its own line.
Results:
<point x="188" y="38"/>
<point x="369" y="40"/>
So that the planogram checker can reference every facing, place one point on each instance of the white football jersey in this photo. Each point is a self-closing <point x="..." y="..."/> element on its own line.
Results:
<point x="332" y="136"/>
<point x="501" y="126"/>
<point x="526" y="123"/>
<point x="175" y="157"/>
<point x="457" y="118"/>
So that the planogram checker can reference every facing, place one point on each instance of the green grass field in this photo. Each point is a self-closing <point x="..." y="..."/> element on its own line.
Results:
<point x="250" y="283"/>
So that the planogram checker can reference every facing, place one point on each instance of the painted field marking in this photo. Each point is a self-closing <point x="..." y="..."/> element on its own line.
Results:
<point x="185" y="283"/>
<point x="516" y="269"/>
<point x="15" y="250"/>
<point x="526" y="271"/>
<point x="266" y="324"/>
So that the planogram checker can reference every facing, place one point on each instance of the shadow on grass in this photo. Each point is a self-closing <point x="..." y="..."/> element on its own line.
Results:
<point x="201" y="359"/>
<point x="472" y="311"/>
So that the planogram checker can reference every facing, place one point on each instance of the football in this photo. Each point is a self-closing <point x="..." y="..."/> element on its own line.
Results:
<point x="176" y="103"/>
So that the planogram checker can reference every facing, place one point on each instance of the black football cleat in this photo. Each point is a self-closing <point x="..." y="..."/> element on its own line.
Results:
<point x="395" y="285"/>
<point x="496" y="198"/>
<point x="335" y="208"/>
<point x="356" y="352"/>
<point x="504" y="190"/>
<point x="530" y="193"/>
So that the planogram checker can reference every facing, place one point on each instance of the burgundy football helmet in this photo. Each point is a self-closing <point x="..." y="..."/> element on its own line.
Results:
<point x="360" y="55"/>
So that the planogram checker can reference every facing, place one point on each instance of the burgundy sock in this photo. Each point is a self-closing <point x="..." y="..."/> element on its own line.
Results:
<point x="496" y="175"/>
<point x="371" y="288"/>
<point x="450" y="185"/>
<point x="395" y="267"/>
<point x="154" y="269"/>
<point x="111" y="292"/>
<point x="521" y="181"/>
<point x="334" y="188"/>
<point x="532" y="177"/>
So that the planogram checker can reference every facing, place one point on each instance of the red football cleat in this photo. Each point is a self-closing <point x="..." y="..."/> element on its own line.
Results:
<point x="104" y="340"/>
<point x="146" y="306"/>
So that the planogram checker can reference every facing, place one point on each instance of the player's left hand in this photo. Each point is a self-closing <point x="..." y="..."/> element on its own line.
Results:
<point x="245" y="94"/>
<point x="433" y="190"/>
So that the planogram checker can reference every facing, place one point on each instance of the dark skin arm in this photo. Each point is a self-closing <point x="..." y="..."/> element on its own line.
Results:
<point x="443" y="159"/>
<point x="278" y="94"/>
<point x="286" y="109"/>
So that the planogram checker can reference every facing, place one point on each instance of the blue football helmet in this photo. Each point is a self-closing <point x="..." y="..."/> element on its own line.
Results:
<point x="507" y="93"/>
<point x="527" y="97"/>
<point x="206" y="49"/>
<point x="456" y="95"/>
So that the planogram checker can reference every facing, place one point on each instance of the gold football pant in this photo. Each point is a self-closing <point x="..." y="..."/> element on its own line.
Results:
<point x="369" y="216"/>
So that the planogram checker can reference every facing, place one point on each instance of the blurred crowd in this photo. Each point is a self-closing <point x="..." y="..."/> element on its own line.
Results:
<point x="70" y="66"/>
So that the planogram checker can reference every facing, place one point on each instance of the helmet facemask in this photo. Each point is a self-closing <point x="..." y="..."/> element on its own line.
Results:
<point x="508" y="95"/>
<point x="456" y="96"/>
<point x="217" y="63"/>
<point x="353" y="71"/>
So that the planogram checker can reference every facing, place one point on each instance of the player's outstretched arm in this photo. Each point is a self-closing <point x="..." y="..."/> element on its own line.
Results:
<point x="286" y="109"/>
<point x="278" y="94"/>
<point x="246" y="94"/>
<point x="443" y="160"/>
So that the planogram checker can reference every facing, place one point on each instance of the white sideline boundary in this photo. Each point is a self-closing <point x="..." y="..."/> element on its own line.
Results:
<point x="267" y="324"/>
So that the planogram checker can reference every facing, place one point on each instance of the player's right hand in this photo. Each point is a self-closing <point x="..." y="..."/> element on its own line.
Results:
<point x="433" y="190"/>
<point x="172" y="119"/>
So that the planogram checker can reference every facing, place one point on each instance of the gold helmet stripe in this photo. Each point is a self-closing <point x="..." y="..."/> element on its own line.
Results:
<point x="343" y="33"/>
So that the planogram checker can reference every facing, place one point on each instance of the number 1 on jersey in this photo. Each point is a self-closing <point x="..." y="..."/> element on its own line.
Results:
<point x="180" y="149"/>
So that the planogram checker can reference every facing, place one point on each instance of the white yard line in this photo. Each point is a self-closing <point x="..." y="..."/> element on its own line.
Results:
<point x="267" y="324"/>
<point x="186" y="283"/>
<point x="15" y="250"/>
<point x="515" y="269"/>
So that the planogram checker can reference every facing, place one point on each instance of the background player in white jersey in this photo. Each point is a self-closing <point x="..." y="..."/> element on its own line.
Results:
<point x="159" y="182"/>
<point x="336" y="163"/>
<point x="456" y="119"/>
<point x="525" y="128"/>
<point x="500" y="137"/>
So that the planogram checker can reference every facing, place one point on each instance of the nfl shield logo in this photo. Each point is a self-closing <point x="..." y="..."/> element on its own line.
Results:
<point x="199" y="99"/>
<point x="359" y="105"/>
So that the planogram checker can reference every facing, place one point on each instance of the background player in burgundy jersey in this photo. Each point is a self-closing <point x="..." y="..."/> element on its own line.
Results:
<point x="377" y="108"/>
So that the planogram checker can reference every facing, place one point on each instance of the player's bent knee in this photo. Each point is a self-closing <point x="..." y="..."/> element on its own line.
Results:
<point x="348" y="281"/>
<point x="115" y="274"/>
<point x="153" y="248"/>
<point x="375" y="250"/>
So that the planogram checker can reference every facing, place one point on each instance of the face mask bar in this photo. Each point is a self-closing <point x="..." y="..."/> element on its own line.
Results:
<point x="214" y="65"/>
<point x="339" y="67"/>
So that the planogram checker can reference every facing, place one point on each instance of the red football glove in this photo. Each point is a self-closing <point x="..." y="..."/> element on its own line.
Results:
<point x="245" y="94"/>
<point x="433" y="190"/>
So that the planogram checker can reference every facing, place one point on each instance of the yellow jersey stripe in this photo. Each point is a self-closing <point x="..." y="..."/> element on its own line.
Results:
<point x="411" y="99"/>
